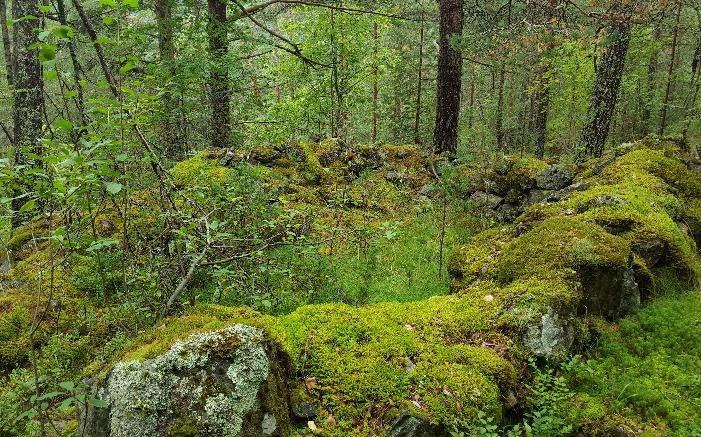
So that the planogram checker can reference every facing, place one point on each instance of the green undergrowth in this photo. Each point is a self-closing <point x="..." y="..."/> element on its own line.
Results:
<point x="645" y="373"/>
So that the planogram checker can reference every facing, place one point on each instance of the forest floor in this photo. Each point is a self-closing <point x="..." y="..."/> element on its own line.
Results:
<point x="379" y="238"/>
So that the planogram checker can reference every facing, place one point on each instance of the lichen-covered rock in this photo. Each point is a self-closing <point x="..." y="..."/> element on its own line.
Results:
<point x="550" y="336"/>
<point x="486" y="200"/>
<point x="555" y="177"/>
<point x="229" y="382"/>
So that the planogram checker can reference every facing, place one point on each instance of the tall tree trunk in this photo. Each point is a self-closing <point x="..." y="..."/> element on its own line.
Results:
<point x="28" y="106"/>
<point x="499" y="121"/>
<point x="650" y="87"/>
<point x="166" y="48"/>
<point x="609" y="73"/>
<point x="219" y="87"/>
<point x="445" y="134"/>
<point x="375" y="78"/>
<point x="6" y="43"/>
<point x="419" y="82"/>
<point x="670" y="72"/>
<point x="541" y="103"/>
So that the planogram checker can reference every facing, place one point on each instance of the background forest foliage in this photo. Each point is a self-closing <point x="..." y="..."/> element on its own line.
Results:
<point x="157" y="154"/>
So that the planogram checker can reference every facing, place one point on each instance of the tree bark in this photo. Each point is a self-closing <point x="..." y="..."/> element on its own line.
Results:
<point x="445" y="134"/>
<point x="166" y="48"/>
<point x="6" y="43"/>
<point x="375" y="78"/>
<point x="419" y="82"/>
<point x="219" y="86"/>
<point x="541" y="103"/>
<point x="499" y="121"/>
<point x="670" y="72"/>
<point x="609" y="73"/>
<point x="650" y="91"/>
<point x="28" y="106"/>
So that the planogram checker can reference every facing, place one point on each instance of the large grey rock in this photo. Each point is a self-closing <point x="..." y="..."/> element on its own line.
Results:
<point x="227" y="383"/>
<point x="555" y="177"/>
<point x="610" y="293"/>
<point x="486" y="200"/>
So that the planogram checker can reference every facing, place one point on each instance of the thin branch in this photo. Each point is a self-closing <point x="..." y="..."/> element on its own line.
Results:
<point x="295" y="50"/>
<point x="7" y="133"/>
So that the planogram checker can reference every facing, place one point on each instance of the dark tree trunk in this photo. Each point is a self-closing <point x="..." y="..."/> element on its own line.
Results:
<point x="541" y="102"/>
<point x="445" y="135"/>
<point x="375" y="78"/>
<point x="670" y="73"/>
<point x="28" y="92"/>
<point x="499" y="121"/>
<point x="606" y="87"/>
<point x="6" y="44"/>
<point x="166" y="47"/>
<point x="419" y="83"/>
<point x="219" y="87"/>
<point x="650" y="87"/>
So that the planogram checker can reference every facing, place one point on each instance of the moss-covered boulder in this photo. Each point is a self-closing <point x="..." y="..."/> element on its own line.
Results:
<point x="229" y="382"/>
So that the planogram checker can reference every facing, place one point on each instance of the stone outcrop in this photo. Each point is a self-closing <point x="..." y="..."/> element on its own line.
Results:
<point x="230" y="382"/>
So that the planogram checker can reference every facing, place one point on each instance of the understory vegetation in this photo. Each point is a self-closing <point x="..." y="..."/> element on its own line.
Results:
<point x="350" y="218"/>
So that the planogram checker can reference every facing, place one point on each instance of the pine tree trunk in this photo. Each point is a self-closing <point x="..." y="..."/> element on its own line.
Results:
<point x="166" y="47"/>
<point x="219" y="87"/>
<point x="541" y="102"/>
<point x="445" y="135"/>
<point x="419" y="83"/>
<point x="375" y="78"/>
<point x="28" y="91"/>
<point x="670" y="73"/>
<point x="6" y="43"/>
<point x="609" y="73"/>
<point x="650" y="91"/>
<point x="499" y="121"/>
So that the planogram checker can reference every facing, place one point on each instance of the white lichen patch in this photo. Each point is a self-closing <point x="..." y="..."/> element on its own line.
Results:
<point x="550" y="336"/>
<point x="147" y="397"/>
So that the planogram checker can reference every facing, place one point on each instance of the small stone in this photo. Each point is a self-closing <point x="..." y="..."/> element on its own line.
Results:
<point x="304" y="410"/>
<point x="312" y="426"/>
<point x="489" y="298"/>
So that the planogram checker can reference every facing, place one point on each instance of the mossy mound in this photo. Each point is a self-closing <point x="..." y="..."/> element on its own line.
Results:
<point x="366" y="367"/>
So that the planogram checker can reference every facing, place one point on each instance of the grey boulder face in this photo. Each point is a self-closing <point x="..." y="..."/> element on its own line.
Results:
<point x="555" y="177"/>
<point x="228" y="383"/>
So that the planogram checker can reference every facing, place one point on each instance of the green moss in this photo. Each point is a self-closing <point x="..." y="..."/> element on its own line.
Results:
<point x="199" y="170"/>
<point x="646" y="371"/>
<point x="470" y="262"/>
<point x="15" y="324"/>
<point x="556" y="247"/>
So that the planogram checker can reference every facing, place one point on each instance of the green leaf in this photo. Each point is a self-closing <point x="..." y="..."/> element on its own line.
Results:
<point x="134" y="4"/>
<point x="28" y="206"/>
<point x="113" y="187"/>
<point x="97" y="403"/>
<point x="102" y="244"/>
<point x="47" y="52"/>
<point x="63" y="124"/>
<point x="67" y="385"/>
<point x="63" y="32"/>
<point x="111" y="3"/>
<point x="127" y="67"/>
